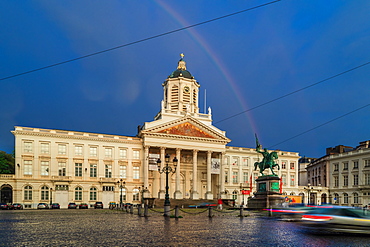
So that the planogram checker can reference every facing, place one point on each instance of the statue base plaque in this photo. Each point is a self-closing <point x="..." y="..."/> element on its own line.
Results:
<point x="268" y="193"/>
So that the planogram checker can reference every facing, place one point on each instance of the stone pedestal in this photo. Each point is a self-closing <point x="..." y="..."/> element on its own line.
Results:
<point x="268" y="193"/>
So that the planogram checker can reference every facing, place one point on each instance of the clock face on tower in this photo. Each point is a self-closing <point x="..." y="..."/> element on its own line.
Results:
<point x="186" y="89"/>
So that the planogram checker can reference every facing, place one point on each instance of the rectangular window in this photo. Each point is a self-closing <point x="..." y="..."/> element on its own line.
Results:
<point x="62" y="168"/>
<point x="355" y="179"/>
<point x="61" y="187"/>
<point x="108" y="153"/>
<point x="93" y="170"/>
<point x="245" y="161"/>
<point x="292" y="165"/>
<point x="355" y="164"/>
<point x="78" y="150"/>
<point x="108" y="188"/>
<point x="27" y="167"/>
<point x="44" y="148"/>
<point x="336" y="181"/>
<point x="235" y="177"/>
<point x="93" y="151"/>
<point x="44" y="194"/>
<point x="336" y="167"/>
<point x="123" y="171"/>
<point x="78" y="169"/>
<point x="292" y="178"/>
<point x="283" y="178"/>
<point x="235" y="161"/>
<point x="283" y="165"/>
<point x="108" y="171"/>
<point x="62" y="149"/>
<point x="345" y="166"/>
<point x="367" y="179"/>
<point x="44" y="168"/>
<point x="27" y="147"/>
<point x="136" y="154"/>
<point x="93" y="194"/>
<point x="367" y="163"/>
<point x="345" y="180"/>
<point x="245" y="177"/>
<point x="28" y="193"/>
<point x="136" y="172"/>
<point x="226" y="177"/>
<point x="123" y="153"/>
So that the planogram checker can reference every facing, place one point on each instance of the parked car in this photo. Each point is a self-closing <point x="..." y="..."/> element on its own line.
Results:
<point x="72" y="205"/>
<point x="42" y="205"/>
<point x="203" y="205"/>
<point x="55" y="206"/>
<point x="98" y="205"/>
<point x="4" y="206"/>
<point x="83" y="206"/>
<point x="337" y="219"/>
<point x="17" y="206"/>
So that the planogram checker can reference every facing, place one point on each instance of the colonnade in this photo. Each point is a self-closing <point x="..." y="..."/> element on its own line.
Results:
<point x="195" y="190"/>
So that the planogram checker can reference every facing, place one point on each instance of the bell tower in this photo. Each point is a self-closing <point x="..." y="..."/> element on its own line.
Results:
<point x="181" y="95"/>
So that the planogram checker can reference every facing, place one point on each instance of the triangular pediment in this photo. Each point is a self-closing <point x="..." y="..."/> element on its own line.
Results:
<point x="186" y="127"/>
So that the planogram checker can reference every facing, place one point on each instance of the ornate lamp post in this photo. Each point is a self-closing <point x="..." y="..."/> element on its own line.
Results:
<point x="121" y="184"/>
<point x="167" y="170"/>
<point x="51" y="196"/>
<point x="308" y="188"/>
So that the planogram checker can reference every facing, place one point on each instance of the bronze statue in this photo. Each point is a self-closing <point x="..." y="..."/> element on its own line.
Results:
<point x="268" y="159"/>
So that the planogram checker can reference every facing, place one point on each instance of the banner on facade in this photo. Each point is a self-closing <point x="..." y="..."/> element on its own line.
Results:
<point x="153" y="166"/>
<point x="246" y="192"/>
<point x="215" y="166"/>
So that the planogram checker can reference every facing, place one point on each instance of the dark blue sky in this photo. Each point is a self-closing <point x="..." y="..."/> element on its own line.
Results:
<point x="241" y="62"/>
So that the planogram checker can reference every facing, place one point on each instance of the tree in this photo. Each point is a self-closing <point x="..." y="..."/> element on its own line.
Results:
<point x="7" y="163"/>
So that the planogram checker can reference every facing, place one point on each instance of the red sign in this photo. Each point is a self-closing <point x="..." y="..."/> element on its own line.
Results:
<point x="246" y="192"/>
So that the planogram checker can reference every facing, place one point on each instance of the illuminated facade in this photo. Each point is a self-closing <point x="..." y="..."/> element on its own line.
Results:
<point x="69" y="166"/>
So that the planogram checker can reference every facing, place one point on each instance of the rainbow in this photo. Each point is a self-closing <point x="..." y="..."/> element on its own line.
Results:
<point x="214" y="58"/>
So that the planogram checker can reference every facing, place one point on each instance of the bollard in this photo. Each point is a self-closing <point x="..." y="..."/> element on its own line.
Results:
<point x="241" y="211"/>
<point x="139" y="210"/>
<point x="210" y="212"/>
<point x="131" y="209"/>
<point x="127" y="208"/>
<point x="177" y="212"/>
<point x="146" y="211"/>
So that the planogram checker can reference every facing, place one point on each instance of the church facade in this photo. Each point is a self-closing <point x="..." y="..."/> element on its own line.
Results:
<point x="69" y="166"/>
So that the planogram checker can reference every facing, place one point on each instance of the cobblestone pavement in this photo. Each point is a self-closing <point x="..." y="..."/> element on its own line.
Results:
<point x="94" y="227"/>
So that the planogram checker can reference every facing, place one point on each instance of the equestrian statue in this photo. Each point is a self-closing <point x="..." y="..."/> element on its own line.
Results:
<point x="268" y="159"/>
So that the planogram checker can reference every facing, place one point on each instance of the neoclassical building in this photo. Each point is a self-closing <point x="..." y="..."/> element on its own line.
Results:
<point x="70" y="166"/>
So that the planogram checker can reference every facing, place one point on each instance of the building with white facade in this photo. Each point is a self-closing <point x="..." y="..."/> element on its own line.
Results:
<point x="70" y="166"/>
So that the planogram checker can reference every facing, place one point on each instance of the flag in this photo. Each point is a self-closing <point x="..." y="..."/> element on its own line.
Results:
<point x="281" y="185"/>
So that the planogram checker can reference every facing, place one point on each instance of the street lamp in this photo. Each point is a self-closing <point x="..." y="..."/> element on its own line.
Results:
<point x="167" y="169"/>
<point x="51" y="196"/>
<point x="121" y="184"/>
<point x="308" y="188"/>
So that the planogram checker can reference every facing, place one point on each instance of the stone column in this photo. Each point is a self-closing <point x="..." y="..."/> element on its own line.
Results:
<point x="146" y="167"/>
<point x="194" y="191"/>
<point x="209" y="195"/>
<point x="222" y="176"/>
<point x="162" y="182"/>
<point x="178" y="194"/>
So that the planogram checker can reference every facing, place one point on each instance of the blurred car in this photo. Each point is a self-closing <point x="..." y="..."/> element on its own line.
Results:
<point x="17" y="206"/>
<point x="72" y="205"/>
<point x="83" y="206"/>
<point x="337" y="219"/>
<point x="4" y="206"/>
<point x="42" y="205"/>
<point x="98" y="205"/>
<point x="55" y="206"/>
<point x="203" y="205"/>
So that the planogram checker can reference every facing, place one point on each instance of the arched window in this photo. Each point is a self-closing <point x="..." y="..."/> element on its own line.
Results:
<point x="235" y="194"/>
<point x="135" y="195"/>
<point x="336" y="198"/>
<point x="124" y="194"/>
<point x="323" y="199"/>
<point x="93" y="193"/>
<point x="292" y="193"/>
<point x="28" y="193"/>
<point x="355" y="198"/>
<point x="44" y="193"/>
<point x="345" y="198"/>
<point x="78" y="194"/>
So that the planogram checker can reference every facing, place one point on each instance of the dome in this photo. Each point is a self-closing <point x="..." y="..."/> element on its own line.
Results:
<point x="181" y="70"/>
